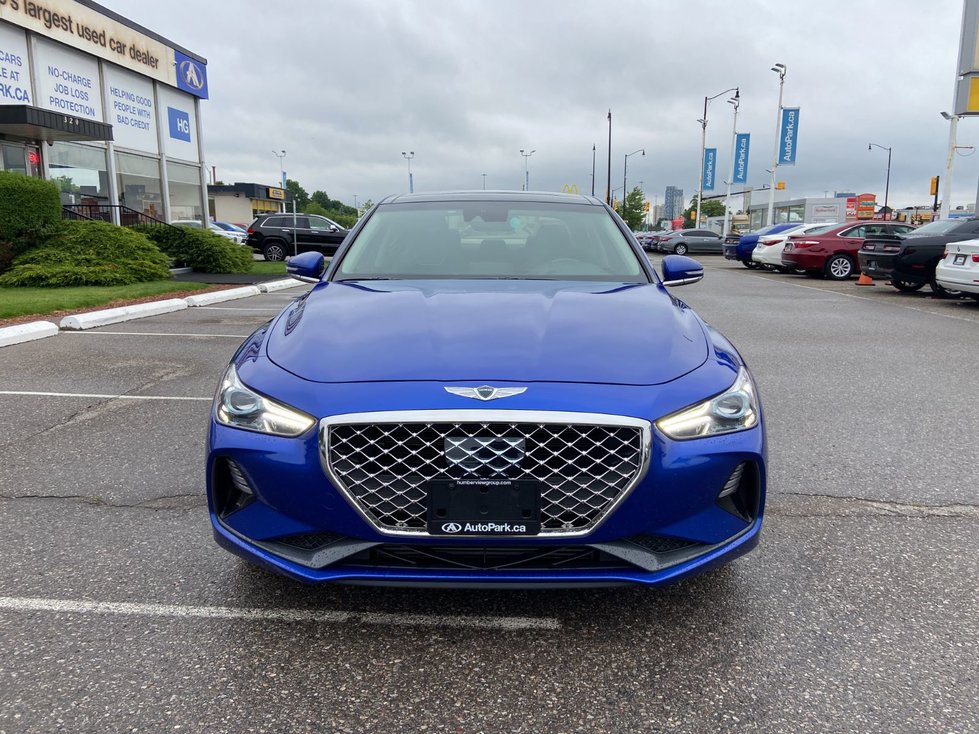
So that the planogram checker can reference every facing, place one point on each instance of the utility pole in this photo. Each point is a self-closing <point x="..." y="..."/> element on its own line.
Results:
<point x="592" y="169"/>
<point x="608" y="186"/>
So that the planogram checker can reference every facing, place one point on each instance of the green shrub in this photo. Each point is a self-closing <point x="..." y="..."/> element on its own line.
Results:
<point x="30" y="211"/>
<point x="89" y="253"/>
<point x="200" y="249"/>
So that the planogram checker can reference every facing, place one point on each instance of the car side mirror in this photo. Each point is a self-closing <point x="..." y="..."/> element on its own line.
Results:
<point x="334" y="228"/>
<point x="307" y="267"/>
<point x="681" y="270"/>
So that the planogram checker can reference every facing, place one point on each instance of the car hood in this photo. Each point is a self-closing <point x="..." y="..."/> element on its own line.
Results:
<point x="523" y="331"/>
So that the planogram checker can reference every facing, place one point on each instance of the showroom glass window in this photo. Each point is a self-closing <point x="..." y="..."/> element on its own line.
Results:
<point x="139" y="184"/>
<point x="185" y="191"/>
<point x="80" y="172"/>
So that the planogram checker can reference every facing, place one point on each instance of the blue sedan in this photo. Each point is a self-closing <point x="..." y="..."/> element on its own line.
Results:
<point x="488" y="389"/>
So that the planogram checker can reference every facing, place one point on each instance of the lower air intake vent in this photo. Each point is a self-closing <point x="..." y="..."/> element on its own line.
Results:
<point x="309" y="541"/>
<point x="660" y="543"/>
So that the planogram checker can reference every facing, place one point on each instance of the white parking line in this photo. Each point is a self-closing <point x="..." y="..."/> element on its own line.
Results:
<point x="233" y="308"/>
<point x="154" y="333"/>
<point x="864" y="298"/>
<point x="31" y="604"/>
<point x="97" y="395"/>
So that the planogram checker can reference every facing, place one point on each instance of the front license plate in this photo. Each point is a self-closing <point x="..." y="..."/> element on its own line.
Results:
<point x="483" y="507"/>
<point x="960" y="259"/>
<point x="871" y="264"/>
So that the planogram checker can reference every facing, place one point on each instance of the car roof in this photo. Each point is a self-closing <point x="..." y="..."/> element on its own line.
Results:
<point x="539" y="197"/>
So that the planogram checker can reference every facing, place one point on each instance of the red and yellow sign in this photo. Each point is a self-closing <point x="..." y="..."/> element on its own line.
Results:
<point x="866" y="204"/>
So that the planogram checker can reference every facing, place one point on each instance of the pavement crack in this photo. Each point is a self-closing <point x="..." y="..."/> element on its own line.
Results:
<point x="183" y="501"/>
<point x="813" y="504"/>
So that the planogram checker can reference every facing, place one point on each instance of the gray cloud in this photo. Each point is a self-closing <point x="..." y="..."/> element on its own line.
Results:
<point x="345" y="86"/>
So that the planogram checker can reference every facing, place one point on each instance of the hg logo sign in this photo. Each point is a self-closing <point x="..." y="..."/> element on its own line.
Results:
<point x="179" y="124"/>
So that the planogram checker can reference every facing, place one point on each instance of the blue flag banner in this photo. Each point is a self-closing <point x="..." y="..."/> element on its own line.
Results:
<point x="710" y="163"/>
<point x="788" y="133"/>
<point x="741" y="143"/>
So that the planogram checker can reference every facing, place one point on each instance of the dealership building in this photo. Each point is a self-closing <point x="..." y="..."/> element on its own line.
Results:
<point x="107" y="109"/>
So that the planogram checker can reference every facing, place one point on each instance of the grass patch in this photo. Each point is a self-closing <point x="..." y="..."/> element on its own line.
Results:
<point x="16" y="302"/>
<point x="264" y="267"/>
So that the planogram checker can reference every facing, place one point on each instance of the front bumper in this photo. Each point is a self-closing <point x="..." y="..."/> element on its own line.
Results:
<point x="669" y="525"/>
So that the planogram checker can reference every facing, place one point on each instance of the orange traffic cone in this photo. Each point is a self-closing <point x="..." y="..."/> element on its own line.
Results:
<point x="865" y="279"/>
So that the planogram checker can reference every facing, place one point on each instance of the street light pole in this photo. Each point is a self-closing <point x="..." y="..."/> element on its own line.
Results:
<point x="484" y="181"/>
<point x="779" y="69"/>
<point x="703" y="150"/>
<point x="887" y="184"/>
<point x="736" y="102"/>
<point x="953" y="126"/>
<point x="592" y="169"/>
<point x="411" y="181"/>
<point x="608" y="186"/>
<point x="526" y="169"/>
<point x="282" y="173"/>
<point x="625" y="168"/>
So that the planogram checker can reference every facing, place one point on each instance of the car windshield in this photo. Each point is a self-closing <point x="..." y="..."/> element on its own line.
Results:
<point x="939" y="227"/>
<point x="491" y="239"/>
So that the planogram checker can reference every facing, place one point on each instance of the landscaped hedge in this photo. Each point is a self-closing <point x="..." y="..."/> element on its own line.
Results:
<point x="89" y="253"/>
<point x="200" y="249"/>
<point x="30" y="211"/>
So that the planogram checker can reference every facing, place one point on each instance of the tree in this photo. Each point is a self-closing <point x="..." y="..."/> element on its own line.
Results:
<point x="298" y="194"/>
<point x="708" y="208"/>
<point x="633" y="210"/>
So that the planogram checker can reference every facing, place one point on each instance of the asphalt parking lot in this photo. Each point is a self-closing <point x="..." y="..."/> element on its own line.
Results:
<point x="857" y="613"/>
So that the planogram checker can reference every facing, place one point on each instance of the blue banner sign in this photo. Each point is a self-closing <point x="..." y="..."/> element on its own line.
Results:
<point x="710" y="163"/>
<point x="741" y="143"/>
<point x="788" y="133"/>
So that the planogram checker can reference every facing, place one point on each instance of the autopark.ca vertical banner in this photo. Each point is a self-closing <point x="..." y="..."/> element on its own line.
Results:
<point x="710" y="164"/>
<point x="741" y="143"/>
<point x="788" y="136"/>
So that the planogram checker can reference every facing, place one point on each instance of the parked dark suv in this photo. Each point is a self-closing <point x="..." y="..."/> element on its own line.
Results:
<point x="272" y="235"/>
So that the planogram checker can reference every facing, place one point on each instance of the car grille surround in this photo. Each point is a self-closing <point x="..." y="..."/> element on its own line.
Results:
<point x="586" y="463"/>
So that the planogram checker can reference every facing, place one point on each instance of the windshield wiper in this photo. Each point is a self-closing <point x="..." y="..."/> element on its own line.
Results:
<point x="353" y="280"/>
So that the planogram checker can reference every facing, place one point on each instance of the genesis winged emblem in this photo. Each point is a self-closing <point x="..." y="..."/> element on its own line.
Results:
<point x="485" y="392"/>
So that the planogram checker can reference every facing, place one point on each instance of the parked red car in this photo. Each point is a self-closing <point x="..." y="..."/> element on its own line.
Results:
<point x="834" y="252"/>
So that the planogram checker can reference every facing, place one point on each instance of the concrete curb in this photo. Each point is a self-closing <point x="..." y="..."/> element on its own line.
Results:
<point x="206" y="299"/>
<point x="107" y="316"/>
<point x="26" y="332"/>
<point x="279" y="285"/>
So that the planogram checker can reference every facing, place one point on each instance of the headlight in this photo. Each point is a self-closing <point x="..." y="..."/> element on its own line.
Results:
<point x="735" y="409"/>
<point x="238" y="406"/>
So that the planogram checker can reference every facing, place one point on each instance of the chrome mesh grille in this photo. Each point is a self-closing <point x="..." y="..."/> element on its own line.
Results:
<point x="385" y="468"/>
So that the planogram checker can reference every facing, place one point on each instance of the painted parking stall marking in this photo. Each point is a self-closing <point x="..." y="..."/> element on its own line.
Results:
<point x="99" y="396"/>
<point x="67" y="606"/>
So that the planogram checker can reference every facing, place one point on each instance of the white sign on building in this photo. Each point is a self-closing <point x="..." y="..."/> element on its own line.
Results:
<point x="67" y="81"/>
<point x="15" y="72"/>
<point x="130" y="109"/>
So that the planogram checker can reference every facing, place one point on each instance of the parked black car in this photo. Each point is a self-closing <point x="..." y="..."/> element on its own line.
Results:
<point x="909" y="260"/>
<point x="277" y="236"/>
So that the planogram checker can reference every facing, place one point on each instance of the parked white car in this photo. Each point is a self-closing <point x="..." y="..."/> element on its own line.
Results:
<point x="237" y="237"/>
<point x="768" y="249"/>
<point x="959" y="269"/>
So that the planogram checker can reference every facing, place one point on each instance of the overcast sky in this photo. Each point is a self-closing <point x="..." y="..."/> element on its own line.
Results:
<point x="344" y="86"/>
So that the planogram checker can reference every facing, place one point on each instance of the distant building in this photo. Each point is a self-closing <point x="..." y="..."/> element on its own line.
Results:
<point x="242" y="202"/>
<point x="673" y="203"/>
